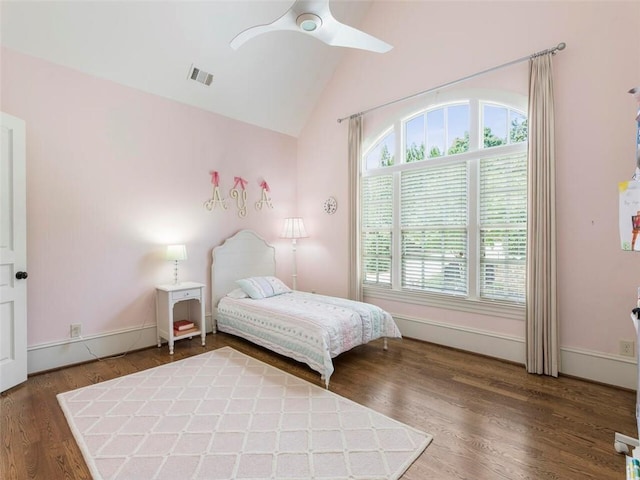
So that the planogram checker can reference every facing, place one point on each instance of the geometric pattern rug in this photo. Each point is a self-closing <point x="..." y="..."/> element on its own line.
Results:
<point x="225" y="415"/>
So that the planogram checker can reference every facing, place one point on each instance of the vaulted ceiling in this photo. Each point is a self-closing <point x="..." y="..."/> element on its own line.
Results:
<point x="272" y="81"/>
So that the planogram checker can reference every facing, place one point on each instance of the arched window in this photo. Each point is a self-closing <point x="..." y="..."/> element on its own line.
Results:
<point x="443" y="205"/>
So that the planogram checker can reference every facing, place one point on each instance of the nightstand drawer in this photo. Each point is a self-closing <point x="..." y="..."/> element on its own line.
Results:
<point x="181" y="295"/>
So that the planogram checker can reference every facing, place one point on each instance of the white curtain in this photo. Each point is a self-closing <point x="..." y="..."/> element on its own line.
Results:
<point x="355" y="147"/>
<point x="542" y="343"/>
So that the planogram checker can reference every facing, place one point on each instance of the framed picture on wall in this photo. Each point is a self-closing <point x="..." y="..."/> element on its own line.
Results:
<point x="629" y="215"/>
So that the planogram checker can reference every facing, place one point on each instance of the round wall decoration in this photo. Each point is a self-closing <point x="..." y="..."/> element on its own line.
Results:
<point x="330" y="205"/>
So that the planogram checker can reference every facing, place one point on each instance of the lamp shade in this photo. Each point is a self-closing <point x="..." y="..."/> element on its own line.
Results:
<point x="293" y="228"/>
<point x="176" y="252"/>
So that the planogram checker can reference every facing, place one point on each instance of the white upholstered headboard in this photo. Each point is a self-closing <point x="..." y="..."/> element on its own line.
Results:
<point x="243" y="255"/>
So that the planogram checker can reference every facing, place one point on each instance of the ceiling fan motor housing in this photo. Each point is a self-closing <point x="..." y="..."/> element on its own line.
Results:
<point x="309" y="22"/>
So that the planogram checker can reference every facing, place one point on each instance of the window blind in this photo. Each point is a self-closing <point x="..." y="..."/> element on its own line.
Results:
<point x="377" y="222"/>
<point x="503" y="232"/>
<point x="434" y="216"/>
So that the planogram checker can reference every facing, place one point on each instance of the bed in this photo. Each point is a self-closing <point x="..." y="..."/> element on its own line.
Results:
<point x="250" y="302"/>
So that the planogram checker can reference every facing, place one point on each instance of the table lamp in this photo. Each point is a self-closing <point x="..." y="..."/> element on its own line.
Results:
<point x="176" y="253"/>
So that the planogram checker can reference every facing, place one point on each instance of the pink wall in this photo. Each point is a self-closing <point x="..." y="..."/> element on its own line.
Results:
<point x="437" y="42"/>
<point x="113" y="175"/>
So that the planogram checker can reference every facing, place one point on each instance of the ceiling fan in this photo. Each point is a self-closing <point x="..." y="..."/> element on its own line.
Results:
<point x="313" y="17"/>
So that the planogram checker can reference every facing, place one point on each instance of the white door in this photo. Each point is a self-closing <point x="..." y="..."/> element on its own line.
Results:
<point x="13" y="253"/>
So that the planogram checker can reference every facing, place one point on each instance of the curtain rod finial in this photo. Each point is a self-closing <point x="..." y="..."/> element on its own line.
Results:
<point x="562" y="46"/>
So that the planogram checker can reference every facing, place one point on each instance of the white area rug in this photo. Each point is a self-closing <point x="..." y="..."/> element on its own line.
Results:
<point x="225" y="415"/>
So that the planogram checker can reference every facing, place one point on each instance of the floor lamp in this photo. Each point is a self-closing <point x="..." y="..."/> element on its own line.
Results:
<point x="294" y="229"/>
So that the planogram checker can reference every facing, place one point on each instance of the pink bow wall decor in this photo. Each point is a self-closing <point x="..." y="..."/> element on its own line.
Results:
<point x="215" y="199"/>
<point x="265" y="199"/>
<point x="240" y="195"/>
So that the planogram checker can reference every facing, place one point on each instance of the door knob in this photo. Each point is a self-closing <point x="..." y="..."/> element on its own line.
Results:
<point x="21" y="275"/>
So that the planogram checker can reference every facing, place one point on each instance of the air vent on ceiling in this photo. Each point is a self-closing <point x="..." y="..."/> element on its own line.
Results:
<point x="200" y="76"/>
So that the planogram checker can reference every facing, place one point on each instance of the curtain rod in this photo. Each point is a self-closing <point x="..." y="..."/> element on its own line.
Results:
<point x="553" y="51"/>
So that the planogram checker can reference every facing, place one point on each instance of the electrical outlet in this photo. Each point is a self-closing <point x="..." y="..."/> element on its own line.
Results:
<point x="628" y="348"/>
<point x="75" y="330"/>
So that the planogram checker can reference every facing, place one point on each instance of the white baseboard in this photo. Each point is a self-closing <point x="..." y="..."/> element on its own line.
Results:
<point x="604" y="368"/>
<point x="78" y="350"/>
<point x="600" y="367"/>
<point x="589" y="365"/>
<point x="464" y="338"/>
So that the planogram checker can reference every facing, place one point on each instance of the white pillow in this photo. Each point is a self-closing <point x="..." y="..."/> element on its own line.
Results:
<point x="262" y="287"/>
<point x="237" y="293"/>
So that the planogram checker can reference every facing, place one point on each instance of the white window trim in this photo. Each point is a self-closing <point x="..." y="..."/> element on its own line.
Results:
<point x="471" y="302"/>
<point x="495" y="308"/>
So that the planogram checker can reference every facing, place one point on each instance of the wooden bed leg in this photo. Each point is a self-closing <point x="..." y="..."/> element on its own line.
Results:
<point x="386" y="344"/>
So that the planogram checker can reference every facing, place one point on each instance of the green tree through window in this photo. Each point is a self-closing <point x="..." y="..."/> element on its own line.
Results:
<point x="386" y="159"/>
<point x="490" y="140"/>
<point x="415" y="153"/>
<point x="519" y="131"/>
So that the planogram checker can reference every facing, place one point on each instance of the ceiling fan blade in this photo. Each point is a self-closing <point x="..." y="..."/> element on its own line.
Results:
<point x="340" y="35"/>
<point x="285" y="22"/>
<point x="326" y="29"/>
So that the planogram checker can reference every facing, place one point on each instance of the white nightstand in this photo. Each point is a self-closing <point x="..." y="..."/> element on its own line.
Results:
<point x="167" y="296"/>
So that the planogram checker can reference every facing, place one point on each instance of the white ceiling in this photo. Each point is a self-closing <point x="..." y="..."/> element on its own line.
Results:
<point x="272" y="81"/>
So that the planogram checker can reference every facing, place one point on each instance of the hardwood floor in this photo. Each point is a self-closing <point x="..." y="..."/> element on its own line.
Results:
<point x="490" y="419"/>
